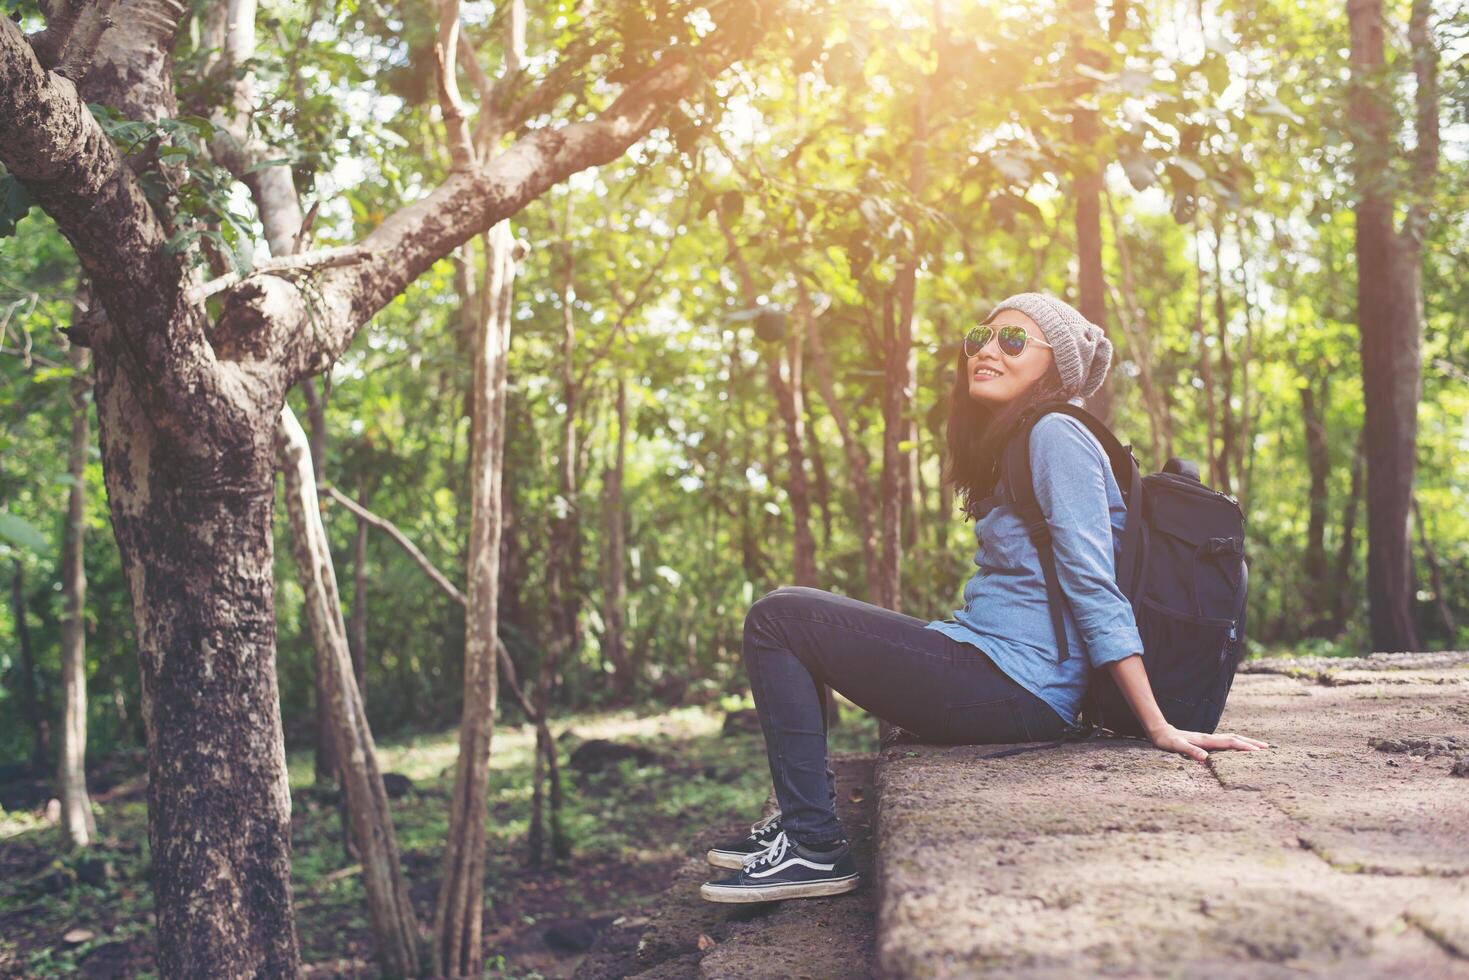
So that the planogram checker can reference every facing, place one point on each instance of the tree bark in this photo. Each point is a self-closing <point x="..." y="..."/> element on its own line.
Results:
<point x="1435" y="577"/>
<point x="895" y="365"/>
<point x="326" y="740"/>
<point x="1206" y="363"/>
<point x="1389" y="316"/>
<point x="1226" y="454"/>
<point x="357" y="624"/>
<point x="78" y="826"/>
<point x="1318" y="463"/>
<point x="1087" y="189"/>
<point x="614" y="592"/>
<point x="394" y="924"/>
<point x="1347" y="550"/>
<point x="562" y="598"/>
<point x="459" y="912"/>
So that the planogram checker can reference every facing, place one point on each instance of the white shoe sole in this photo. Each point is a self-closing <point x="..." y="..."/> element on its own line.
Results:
<point x="771" y="893"/>
<point x="725" y="859"/>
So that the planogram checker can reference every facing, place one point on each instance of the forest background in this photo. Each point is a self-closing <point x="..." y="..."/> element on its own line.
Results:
<point x="731" y="349"/>
<point x="1220" y="133"/>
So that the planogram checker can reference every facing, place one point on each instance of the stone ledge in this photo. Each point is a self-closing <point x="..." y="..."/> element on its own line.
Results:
<point x="1321" y="854"/>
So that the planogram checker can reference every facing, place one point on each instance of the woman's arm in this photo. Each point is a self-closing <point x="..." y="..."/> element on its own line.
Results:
<point x="1132" y="680"/>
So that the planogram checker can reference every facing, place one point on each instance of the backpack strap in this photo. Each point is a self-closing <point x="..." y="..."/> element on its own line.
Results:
<point x="1015" y="468"/>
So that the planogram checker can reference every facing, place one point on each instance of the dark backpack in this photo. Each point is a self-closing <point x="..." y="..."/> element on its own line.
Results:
<point x="1182" y="568"/>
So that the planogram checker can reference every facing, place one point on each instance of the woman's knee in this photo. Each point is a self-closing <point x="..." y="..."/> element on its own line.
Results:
<point x="781" y="601"/>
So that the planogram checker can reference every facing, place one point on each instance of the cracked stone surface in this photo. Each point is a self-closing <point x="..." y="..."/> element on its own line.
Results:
<point x="1322" y="855"/>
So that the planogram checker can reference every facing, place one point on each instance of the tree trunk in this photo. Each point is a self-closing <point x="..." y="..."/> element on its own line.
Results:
<point x="218" y="797"/>
<point x="562" y="597"/>
<point x="1318" y="463"/>
<point x="614" y="592"/>
<point x="460" y="909"/>
<point x="394" y="924"/>
<point x="1226" y="454"/>
<point x="858" y="460"/>
<point x="1435" y="576"/>
<point x="1206" y="363"/>
<point x="1087" y="190"/>
<point x="1139" y="340"/>
<point x="788" y="401"/>
<point x="325" y="753"/>
<point x="357" y="624"/>
<point x="78" y="827"/>
<point x="890" y="580"/>
<point x="1389" y="314"/>
<point x="32" y="692"/>
<point x="1347" y="551"/>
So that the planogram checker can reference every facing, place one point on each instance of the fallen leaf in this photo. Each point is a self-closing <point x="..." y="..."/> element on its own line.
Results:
<point x="705" y="943"/>
<point x="75" y="937"/>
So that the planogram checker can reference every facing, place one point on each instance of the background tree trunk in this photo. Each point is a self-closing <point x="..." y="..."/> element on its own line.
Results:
<point x="1346" y="555"/>
<point x="460" y="908"/>
<point x="1318" y="462"/>
<point x="78" y="826"/>
<point x="859" y="462"/>
<point x="1389" y="315"/>
<point x="1435" y="573"/>
<point x="32" y="691"/>
<point x="614" y="521"/>
<point x="394" y="924"/>
<point x="1086" y="187"/>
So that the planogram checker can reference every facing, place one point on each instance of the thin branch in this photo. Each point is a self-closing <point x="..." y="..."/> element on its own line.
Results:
<point x="507" y="666"/>
<point x="403" y="540"/>
<point x="446" y="52"/>
<point x="324" y="258"/>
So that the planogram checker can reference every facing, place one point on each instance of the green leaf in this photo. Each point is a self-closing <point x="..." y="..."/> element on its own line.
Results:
<point x="17" y="532"/>
<point x="15" y="203"/>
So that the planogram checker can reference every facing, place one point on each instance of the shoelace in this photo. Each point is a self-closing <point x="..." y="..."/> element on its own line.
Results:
<point x="773" y="852"/>
<point x="760" y="826"/>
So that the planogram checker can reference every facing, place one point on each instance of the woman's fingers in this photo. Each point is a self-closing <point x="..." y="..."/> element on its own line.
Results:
<point x="1229" y="740"/>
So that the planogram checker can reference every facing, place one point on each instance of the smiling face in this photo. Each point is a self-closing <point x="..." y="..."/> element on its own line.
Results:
<point x="995" y="378"/>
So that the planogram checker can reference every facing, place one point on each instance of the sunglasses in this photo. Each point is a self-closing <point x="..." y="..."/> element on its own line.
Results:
<point x="1012" y="340"/>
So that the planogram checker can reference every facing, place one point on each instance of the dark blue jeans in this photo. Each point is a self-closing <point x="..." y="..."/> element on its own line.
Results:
<point x="799" y="641"/>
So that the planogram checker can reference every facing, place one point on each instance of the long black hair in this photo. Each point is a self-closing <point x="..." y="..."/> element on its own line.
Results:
<point x="978" y="431"/>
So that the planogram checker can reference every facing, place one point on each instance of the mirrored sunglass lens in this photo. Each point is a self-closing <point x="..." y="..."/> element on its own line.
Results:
<point x="975" y="340"/>
<point x="1012" y="340"/>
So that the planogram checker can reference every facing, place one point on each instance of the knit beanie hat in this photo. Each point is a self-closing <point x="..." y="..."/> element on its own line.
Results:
<point x="1081" y="349"/>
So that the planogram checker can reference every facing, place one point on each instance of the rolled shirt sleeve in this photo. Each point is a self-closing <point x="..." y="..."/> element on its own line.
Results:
<point x="1069" y="470"/>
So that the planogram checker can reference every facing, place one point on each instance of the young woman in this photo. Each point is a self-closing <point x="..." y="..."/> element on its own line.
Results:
<point x="990" y="673"/>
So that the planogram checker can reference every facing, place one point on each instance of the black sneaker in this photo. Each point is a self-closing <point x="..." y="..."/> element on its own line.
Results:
<point x="787" y="869"/>
<point x="735" y="853"/>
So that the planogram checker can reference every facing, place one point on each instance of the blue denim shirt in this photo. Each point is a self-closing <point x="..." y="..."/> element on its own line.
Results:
<point x="1005" y="611"/>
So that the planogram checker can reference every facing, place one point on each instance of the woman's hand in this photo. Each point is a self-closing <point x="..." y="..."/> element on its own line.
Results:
<point x="1193" y="744"/>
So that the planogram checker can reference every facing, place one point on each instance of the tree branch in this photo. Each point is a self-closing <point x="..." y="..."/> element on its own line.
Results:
<point x="267" y="317"/>
<point x="52" y="144"/>
<point x="280" y="265"/>
<point x="451" y="106"/>
<point x="507" y="666"/>
<point x="404" y="542"/>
